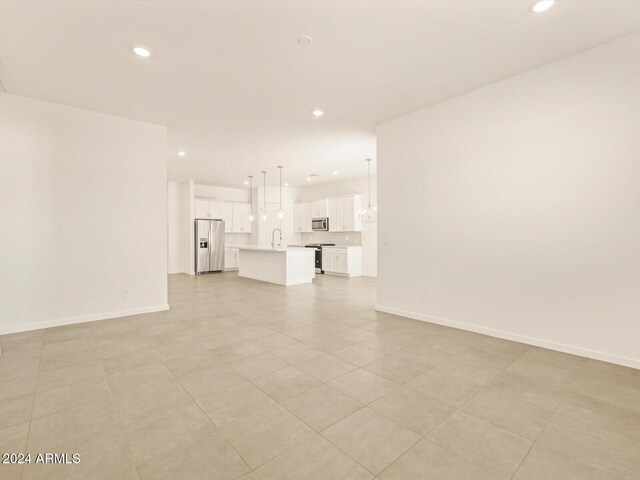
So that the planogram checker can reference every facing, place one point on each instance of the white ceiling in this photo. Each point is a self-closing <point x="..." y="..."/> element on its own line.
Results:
<point x="236" y="91"/>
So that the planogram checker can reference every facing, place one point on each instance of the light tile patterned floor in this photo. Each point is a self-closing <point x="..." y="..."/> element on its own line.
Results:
<point x="242" y="379"/>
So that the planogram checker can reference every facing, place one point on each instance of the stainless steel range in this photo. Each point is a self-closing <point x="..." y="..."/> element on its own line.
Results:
<point x="318" y="247"/>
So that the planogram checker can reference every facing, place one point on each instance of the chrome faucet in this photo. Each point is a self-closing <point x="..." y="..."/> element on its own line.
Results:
<point x="273" y="234"/>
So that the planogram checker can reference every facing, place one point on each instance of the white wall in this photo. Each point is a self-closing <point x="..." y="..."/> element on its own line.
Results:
<point x="83" y="215"/>
<point x="517" y="207"/>
<point x="341" y="187"/>
<point x="369" y="237"/>
<point x="180" y="226"/>
<point x="224" y="194"/>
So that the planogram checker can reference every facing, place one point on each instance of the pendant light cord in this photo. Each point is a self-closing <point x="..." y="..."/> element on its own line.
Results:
<point x="264" y="191"/>
<point x="280" y="167"/>
<point x="369" y="170"/>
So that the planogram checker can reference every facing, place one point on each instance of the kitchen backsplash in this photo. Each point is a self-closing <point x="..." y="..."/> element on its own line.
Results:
<point x="236" y="238"/>
<point x="343" y="239"/>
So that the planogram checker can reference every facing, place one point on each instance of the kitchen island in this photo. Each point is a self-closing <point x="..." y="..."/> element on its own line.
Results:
<point x="281" y="265"/>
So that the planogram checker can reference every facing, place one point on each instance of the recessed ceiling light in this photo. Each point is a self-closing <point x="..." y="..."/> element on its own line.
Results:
<point x="286" y="184"/>
<point x="142" y="51"/>
<point x="308" y="179"/>
<point x="246" y="182"/>
<point x="305" y="40"/>
<point x="541" y="6"/>
<point x="318" y="113"/>
<point x="182" y="153"/>
<point x="335" y="172"/>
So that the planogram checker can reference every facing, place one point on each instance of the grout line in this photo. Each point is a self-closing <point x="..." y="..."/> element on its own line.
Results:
<point x="535" y="442"/>
<point x="292" y="317"/>
<point x="26" y="443"/>
<point x="278" y="403"/>
<point x="393" y="461"/>
<point x="124" y="432"/>
<point x="215" y="428"/>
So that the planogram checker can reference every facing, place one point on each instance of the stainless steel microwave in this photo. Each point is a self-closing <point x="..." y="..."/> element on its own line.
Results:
<point x="320" y="224"/>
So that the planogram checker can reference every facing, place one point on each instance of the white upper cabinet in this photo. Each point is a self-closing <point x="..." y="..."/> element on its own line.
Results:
<point x="237" y="223"/>
<point x="320" y="208"/>
<point x="344" y="213"/>
<point x="223" y="211"/>
<point x="235" y="215"/>
<point x="202" y="208"/>
<point x="248" y="225"/>
<point x="353" y="207"/>
<point x="241" y="223"/>
<point x="302" y="217"/>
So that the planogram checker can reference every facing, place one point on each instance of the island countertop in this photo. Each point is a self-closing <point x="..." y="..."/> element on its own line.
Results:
<point x="280" y="265"/>
<point x="264" y="249"/>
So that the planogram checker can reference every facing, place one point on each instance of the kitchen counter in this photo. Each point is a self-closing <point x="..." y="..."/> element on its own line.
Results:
<point x="280" y="265"/>
<point x="265" y="249"/>
<point x="256" y="248"/>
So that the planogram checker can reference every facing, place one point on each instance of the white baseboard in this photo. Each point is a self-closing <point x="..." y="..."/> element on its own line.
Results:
<point x="538" y="342"/>
<point x="345" y="275"/>
<point x="82" y="319"/>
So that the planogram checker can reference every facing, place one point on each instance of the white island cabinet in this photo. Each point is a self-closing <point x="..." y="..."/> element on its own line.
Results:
<point x="230" y="258"/>
<point x="283" y="266"/>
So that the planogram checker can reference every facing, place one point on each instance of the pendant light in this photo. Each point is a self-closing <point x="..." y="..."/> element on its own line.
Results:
<point x="264" y="215"/>
<point x="367" y="215"/>
<point x="281" y="212"/>
<point x="251" y="216"/>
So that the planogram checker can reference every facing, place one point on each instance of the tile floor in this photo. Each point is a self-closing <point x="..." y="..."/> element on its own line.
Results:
<point x="242" y="379"/>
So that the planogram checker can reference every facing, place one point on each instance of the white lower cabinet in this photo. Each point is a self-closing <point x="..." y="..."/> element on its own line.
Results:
<point x="346" y="261"/>
<point x="230" y="258"/>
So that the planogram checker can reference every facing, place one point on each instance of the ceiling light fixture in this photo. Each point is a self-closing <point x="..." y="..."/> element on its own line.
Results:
<point x="281" y="212"/>
<point x="182" y="153"/>
<point x="250" y="216"/>
<point x="335" y="172"/>
<point x="318" y="113"/>
<point x="264" y="215"/>
<point x="308" y="179"/>
<point x="246" y="182"/>
<point x="305" y="40"/>
<point x="142" y="52"/>
<point x="541" y="6"/>
<point x="286" y="184"/>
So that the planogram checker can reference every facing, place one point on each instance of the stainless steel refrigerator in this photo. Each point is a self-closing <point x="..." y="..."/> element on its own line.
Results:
<point x="209" y="236"/>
